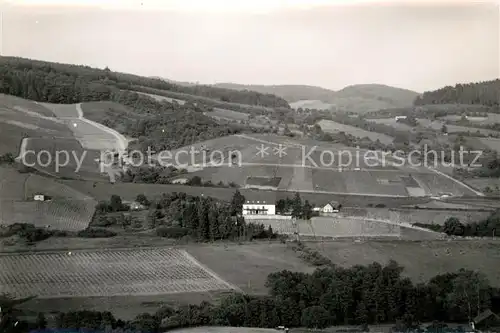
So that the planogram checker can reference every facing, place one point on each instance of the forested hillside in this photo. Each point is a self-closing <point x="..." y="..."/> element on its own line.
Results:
<point x="83" y="76"/>
<point x="291" y="93"/>
<point x="484" y="93"/>
<point x="160" y="125"/>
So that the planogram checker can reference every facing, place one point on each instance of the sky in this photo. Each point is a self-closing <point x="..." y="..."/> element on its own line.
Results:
<point x="331" y="44"/>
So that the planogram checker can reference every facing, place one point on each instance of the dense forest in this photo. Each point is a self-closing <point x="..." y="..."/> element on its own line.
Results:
<point x="64" y="83"/>
<point x="332" y="295"/>
<point x="484" y="93"/>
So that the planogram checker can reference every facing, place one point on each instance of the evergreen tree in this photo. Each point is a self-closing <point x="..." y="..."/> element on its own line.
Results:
<point x="297" y="206"/>
<point x="237" y="203"/>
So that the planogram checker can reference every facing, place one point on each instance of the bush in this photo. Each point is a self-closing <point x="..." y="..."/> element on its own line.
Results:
<point x="27" y="231"/>
<point x="96" y="233"/>
<point x="35" y="234"/>
<point x="432" y="226"/>
<point x="380" y="206"/>
<point x="315" y="317"/>
<point x="172" y="232"/>
<point x="311" y="256"/>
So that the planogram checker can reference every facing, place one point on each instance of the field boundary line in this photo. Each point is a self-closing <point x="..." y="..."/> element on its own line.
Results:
<point x="209" y="271"/>
<point x="244" y="136"/>
<point x="457" y="181"/>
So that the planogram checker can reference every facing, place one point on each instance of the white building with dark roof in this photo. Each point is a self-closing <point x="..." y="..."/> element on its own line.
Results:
<point x="259" y="203"/>
<point x="259" y="208"/>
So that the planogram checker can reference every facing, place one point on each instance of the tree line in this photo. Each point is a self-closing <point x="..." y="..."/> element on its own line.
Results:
<point x="176" y="215"/>
<point x="453" y="227"/>
<point x="331" y="295"/>
<point x="51" y="82"/>
<point x="485" y="93"/>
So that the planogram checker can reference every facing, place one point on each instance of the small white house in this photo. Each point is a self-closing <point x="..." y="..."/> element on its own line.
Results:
<point x="331" y="207"/>
<point x="39" y="197"/>
<point x="258" y="207"/>
<point x="400" y="117"/>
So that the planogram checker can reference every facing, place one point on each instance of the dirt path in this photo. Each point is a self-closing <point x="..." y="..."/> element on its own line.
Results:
<point x="121" y="140"/>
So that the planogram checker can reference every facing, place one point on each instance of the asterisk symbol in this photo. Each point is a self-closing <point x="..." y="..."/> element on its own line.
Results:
<point x="262" y="151"/>
<point x="280" y="151"/>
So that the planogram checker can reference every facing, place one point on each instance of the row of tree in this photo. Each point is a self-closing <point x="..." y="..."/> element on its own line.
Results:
<point x="359" y="295"/>
<point x="200" y="218"/>
<point x="63" y="83"/>
<point x="484" y="228"/>
<point x="295" y="207"/>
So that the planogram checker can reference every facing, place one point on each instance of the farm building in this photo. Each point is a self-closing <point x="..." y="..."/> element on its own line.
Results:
<point x="331" y="207"/>
<point x="259" y="208"/>
<point x="134" y="205"/>
<point x="41" y="197"/>
<point x="260" y="203"/>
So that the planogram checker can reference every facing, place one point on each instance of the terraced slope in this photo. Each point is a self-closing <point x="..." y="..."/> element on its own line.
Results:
<point x="106" y="273"/>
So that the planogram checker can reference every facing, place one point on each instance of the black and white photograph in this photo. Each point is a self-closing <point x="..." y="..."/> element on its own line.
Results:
<point x="237" y="166"/>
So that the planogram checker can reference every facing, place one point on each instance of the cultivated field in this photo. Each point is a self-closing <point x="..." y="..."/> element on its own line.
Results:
<point x="12" y="184"/>
<point x="482" y="183"/>
<point x="334" y="127"/>
<point x="314" y="168"/>
<point x="311" y="104"/>
<point x="77" y="157"/>
<point x="490" y="118"/>
<point x="345" y="225"/>
<point x="92" y="136"/>
<point x="162" y="98"/>
<point x="68" y="209"/>
<point x="227" y="114"/>
<point x="421" y="260"/>
<point x="491" y="143"/>
<point x="129" y="191"/>
<point x="36" y="184"/>
<point x="21" y="118"/>
<point x="437" y="125"/>
<point x="391" y="122"/>
<point x="106" y="273"/>
<point x="248" y="265"/>
<point x="70" y="215"/>
<point x="435" y="184"/>
<point x="411" y="215"/>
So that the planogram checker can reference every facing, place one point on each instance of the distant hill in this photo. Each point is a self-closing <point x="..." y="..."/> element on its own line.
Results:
<point x="483" y="93"/>
<point x="108" y="79"/>
<point x="356" y="98"/>
<point x="291" y="93"/>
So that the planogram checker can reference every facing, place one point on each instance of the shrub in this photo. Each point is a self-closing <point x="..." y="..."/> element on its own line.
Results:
<point x="35" y="234"/>
<point x="96" y="233"/>
<point x="172" y="232"/>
